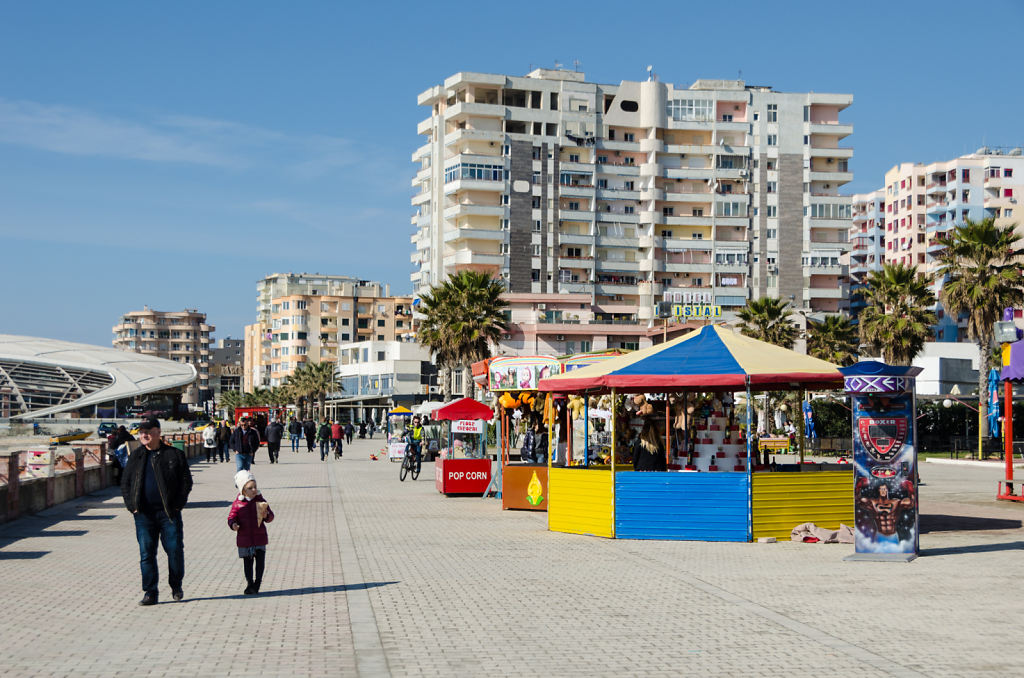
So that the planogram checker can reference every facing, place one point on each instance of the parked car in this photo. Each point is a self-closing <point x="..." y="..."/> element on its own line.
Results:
<point x="105" y="429"/>
<point x="198" y="425"/>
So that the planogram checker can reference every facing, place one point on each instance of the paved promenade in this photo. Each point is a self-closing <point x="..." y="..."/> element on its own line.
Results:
<point x="372" y="577"/>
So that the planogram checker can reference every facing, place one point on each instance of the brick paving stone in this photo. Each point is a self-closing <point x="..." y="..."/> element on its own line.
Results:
<point x="370" y="576"/>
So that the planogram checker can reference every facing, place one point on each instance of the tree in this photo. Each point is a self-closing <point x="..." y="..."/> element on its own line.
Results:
<point x="314" y="381"/>
<point x="978" y="262"/>
<point x="228" y="401"/>
<point x="768" y="319"/>
<point x="833" y="339"/>
<point x="463" y="319"/>
<point x="897" y="320"/>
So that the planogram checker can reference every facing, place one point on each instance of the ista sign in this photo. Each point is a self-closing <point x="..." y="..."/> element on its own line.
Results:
<point x="696" y="311"/>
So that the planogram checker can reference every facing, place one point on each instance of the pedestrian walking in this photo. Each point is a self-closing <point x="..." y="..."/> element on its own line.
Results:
<point x="323" y="435"/>
<point x="275" y="432"/>
<point x="155" y="488"/>
<point x="372" y="429"/>
<point x="337" y="438"/>
<point x="117" y="444"/>
<point x="362" y="430"/>
<point x="294" y="433"/>
<point x="248" y="517"/>
<point x="244" y="441"/>
<point x="223" y="440"/>
<point x="309" y="428"/>
<point x="210" y="442"/>
<point x="349" y="430"/>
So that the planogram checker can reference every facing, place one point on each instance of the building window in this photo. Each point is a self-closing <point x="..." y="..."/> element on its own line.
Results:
<point x="300" y="305"/>
<point x="773" y="140"/>
<point x="628" y="209"/>
<point x="536" y="226"/>
<point x="602" y="160"/>
<point x="476" y="171"/>
<point x="574" y="157"/>
<point x="772" y="187"/>
<point x="690" y="109"/>
<point x="628" y="136"/>
<point x="602" y="183"/>
<point x="380" y="323"/>
<point x="667" y="211"/>
<point x="536" y="250"/>
<point x="697" y="211"/>
<point x="285" y="305"/>
<point x="574" y="206"/>
<point x="773" y="113"/>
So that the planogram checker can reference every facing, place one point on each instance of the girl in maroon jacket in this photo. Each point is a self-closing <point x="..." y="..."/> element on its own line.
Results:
<point x="248" y="517"/>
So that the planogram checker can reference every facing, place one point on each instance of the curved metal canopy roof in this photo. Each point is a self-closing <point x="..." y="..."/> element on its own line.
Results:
<point x="47" y="376"/>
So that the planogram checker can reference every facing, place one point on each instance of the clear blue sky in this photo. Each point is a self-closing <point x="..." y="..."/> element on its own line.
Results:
<point x="171" y="154"/>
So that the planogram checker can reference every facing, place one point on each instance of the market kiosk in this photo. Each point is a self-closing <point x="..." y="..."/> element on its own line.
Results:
<point x="463" y="466"/>
<point x="711" y="492"/>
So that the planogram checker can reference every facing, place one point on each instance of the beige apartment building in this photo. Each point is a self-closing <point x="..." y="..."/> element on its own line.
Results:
<point x="592" y="202"/>
<point x="306" y="316"/>
<point x="181" y="336"/>
<point x="919" y="202"/>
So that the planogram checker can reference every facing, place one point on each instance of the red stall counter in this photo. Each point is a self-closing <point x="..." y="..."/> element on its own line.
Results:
<point x="462" y="476"/>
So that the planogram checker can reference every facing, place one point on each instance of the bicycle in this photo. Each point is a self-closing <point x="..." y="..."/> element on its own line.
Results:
<point x="410" y="463"/>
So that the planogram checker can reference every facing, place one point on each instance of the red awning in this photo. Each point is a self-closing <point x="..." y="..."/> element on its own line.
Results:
<point x="464" y="408"/>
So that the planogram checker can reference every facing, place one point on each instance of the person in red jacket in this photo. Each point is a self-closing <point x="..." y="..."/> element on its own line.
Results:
<point x="337" y="438"/>
<point x="248" y="518"/>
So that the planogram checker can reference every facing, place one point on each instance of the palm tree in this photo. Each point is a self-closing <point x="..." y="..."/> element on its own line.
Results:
<point x="834" y="339"/>
<point x="228" y="401"/>
<point x="314" y="380"/>
<point x="897" y="320"/>
<point x="768" y="319"/>
<point x="978" y="264"/>
<point x="463" y="319"/>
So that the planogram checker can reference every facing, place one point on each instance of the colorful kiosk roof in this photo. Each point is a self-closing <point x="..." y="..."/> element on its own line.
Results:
<point x="711" y="358"/>
<point x="464" y="408"/>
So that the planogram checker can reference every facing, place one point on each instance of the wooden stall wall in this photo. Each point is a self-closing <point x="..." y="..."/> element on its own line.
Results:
<point x="581" y="501"/>
<point x="784" y="500"/>
<point x="681" y="506"/>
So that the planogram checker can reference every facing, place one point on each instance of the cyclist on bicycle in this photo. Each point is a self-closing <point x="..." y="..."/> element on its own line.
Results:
<point x="414" y="439"/>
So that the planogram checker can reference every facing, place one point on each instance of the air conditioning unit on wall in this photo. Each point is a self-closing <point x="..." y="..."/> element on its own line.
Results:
<point x="559" y="337"/>
<point x="434" y="389"/>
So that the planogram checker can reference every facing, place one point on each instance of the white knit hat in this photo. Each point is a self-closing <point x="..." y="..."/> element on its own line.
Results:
<point x="242" y="477"/>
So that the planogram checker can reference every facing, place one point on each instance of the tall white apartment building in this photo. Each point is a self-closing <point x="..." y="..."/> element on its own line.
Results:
<point x="867" y="242"/>
<point x="922" y="201"/>
<point x="614" y="197"/>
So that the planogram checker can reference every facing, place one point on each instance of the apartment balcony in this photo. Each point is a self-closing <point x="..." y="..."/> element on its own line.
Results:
<point x="700" y="174"/>
<point x="617" y="265"/>
<point x="652" y="194"/>
<point x="651" y="169"/>
<point x="617" y="217"/>
<point x="685" y="267"/>
<point x="467" y="257"/>
<point x="825" y="292"/>
<point x="425" y="126"/>
<point x="741" y="222"/>
<point x="586" y="263"/>
<point x="576" y="191"/>
<point x="832" y="177"/>
<point x="735" y="173"/>
<point x="458" y="234"/>
<point x="937" y="206"/>
<point x="617" y="194"/>
<point x="575" y="215"/>
<point x="652" y="217"/>
<point x="459" y="185"/>
<point x="842" y="224"/>
<point x="605" y="144"/>
<point x="935" y="187"/>
<point x="838" y="153"/>
<point x="732" y="291"/>
<point x="461" y="135"/>
<point x="466" y="109"/>
<point x="834" y="129"/>
<point x="628" y="290"/>
<point x="421" y="198"/>
<point x="575" y="287"/>
<point x="651" y="145"/>
<point x="616" y="167"/>
<point x="471" y="210"/>
<point x="575" y="239"/>
<point x="616" y="241"/>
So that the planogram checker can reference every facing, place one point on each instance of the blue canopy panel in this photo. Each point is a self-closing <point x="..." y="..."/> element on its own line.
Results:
<point x="681" y="506"/>
<point x="702" y="355"/>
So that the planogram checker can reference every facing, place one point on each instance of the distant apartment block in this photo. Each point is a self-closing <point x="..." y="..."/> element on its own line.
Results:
<point x="306" y="316"/>
<point x="226" y="361"/>
<point x="181" y="336"/>
<point x="867" y="242"/>
<point x="919" y="202"/>
<point x="593" y="202"/>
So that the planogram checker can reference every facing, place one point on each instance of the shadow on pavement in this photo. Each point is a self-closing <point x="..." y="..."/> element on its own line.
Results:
<point x="209" y="504"/>
<point x="945" y="523"/>
<point x="309" y="590"/>
<point x="43" y="533"/>
<point x="21" y="555"/>
<point x="974" y="548"/>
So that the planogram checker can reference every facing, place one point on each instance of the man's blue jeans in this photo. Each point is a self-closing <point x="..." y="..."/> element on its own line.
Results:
<point x="295" y="441"/>
<point x="325" y="448"/>
<point x="149" y="527"/>
<point x="242" y="462"/>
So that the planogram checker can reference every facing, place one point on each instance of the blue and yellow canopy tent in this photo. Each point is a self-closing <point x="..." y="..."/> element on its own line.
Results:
<point x="713" y="506"/>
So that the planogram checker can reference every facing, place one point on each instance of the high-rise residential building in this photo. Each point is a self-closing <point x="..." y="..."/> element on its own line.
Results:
<point x="867" y="242"/>
<point x="181" y="336"/>
<point x="226" y="361"/>
<point x="604" y="199"/>
<point x="921" y="201"/>
<point x="306" y="316"/>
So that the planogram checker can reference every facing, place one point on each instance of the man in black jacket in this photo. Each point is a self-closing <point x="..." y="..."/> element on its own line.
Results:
<point x="309" y="428"/>
<point x="155" y="487"/>
<point x="244" y="441"/>
<point x="275" y="431"/>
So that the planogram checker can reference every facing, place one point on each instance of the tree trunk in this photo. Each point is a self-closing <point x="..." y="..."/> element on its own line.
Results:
<point x="467" y="381"/>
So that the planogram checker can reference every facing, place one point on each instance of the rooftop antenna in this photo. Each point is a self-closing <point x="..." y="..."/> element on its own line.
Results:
<point x="650" y="72"/>
<point x="576" y="65"/>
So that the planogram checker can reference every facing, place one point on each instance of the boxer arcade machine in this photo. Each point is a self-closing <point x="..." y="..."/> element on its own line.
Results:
<point x="885" y="458"/>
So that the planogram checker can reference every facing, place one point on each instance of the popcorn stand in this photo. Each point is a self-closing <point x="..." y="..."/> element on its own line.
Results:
<point x="709" y="490"/>
<point x="464" y="467"/>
